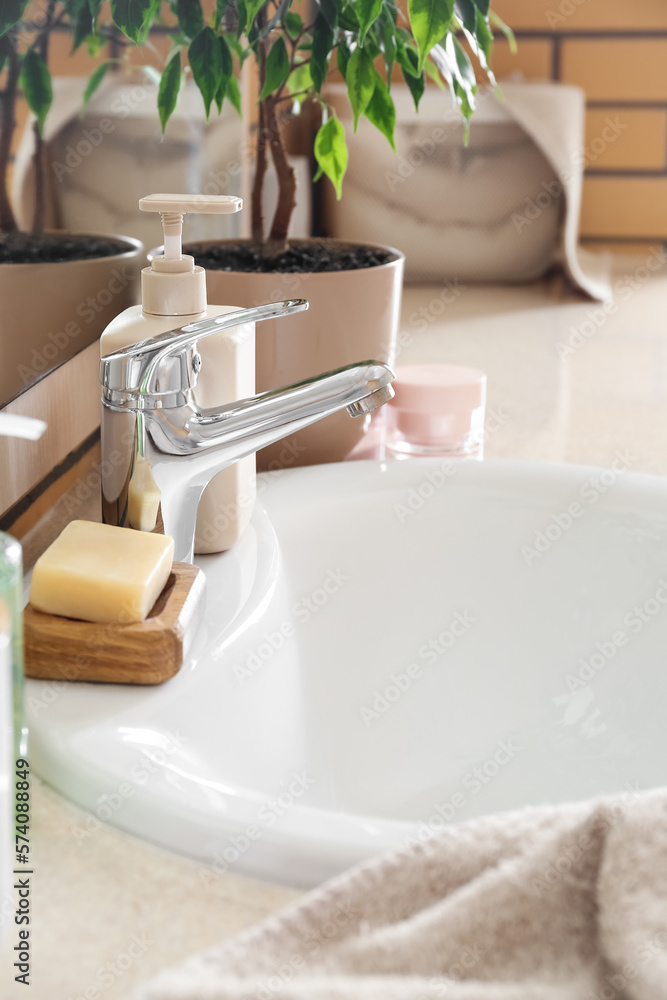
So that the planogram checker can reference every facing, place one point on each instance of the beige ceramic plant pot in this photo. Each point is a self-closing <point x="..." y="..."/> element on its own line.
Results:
<point x="353" y="316"/>
<point x="51" y="311"/>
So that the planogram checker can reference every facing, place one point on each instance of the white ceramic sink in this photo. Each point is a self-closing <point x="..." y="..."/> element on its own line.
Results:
<point x="385" y="649"/>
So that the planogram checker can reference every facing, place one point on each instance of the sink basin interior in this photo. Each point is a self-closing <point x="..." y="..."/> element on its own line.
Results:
<point x="389" y="645"/>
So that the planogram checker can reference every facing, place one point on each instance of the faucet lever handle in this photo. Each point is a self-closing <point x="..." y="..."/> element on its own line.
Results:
<point x="134" y="368"/>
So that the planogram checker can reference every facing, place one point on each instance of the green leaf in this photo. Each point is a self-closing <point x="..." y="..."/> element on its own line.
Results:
<point x="483" y="6"/>
<point x="431" y="70"/>
<point x="293" y="24"/>
<point x="467" y="12"/>
<point x="242" y="12"/>
<point x="226" y="57"/>
<point x="94" y="81"/>
<point x="253" y="8"/>
<point x="330" y="10"/>
<point x="466" y="73"/>
<point x="94" y="6"/>
<point x="478" y="34"/>
<point x="387" y="41"/>
<point x="134" y="17"/>
<point x="342" y="58"/>
<point x="482" y="44"/>
<point x="276" y="69"/>
<point x="429" y="20"/>
<point x="206" y="65"/>
<point x="95" y="44"/>
<point x="498" y="23"/>
<point x="360" y="80"/>
<point x="236" y="47"/>
<point x="300" y="79"/>
<point x="415" y="80"/>
<point x="227" y="70"/>
<point x="36" y="84"/>
<point x="453" y="63"/>
<point x="407" y="57"/>
<point x="331" y="152"/>
<point x="484" y="36"/>
<point x="220" y="11"/>
<point x="367" y="11"/>
<point x="167" y="95"/>
<point x="190" y="17"/>
<point x="323" y="37"/>
<point x="11" y="11"/>
<point x="381" y="111"/>
<point x="234" y="95"/>
<point x="81" y="20"/>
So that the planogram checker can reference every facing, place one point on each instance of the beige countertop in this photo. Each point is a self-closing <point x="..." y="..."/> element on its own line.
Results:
<point x="568" y="382"/>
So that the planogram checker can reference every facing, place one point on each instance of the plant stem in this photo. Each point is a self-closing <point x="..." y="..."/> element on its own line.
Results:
<point x="286" y="179"/>
<point x="284" y="170"/>
<point x="7" y="126"/>
<point x="256" y="208"/>
<point x="42" y="46"/>
<point x="37" y="227"/>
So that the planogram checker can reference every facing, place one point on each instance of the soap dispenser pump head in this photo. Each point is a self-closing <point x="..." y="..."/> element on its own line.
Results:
<point x="172" y="285"/>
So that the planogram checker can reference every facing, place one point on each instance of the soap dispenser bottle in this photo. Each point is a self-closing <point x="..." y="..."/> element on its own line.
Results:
<point x="173" y="294"/>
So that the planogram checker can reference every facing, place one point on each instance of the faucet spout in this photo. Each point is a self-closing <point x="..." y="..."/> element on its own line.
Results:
<point x="254" y="423"/>
<point x="186" y="446"/>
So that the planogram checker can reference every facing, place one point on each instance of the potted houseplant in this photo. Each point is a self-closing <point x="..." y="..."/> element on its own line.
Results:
<point x="58" y="289"/>
<point x="354" y="290"/>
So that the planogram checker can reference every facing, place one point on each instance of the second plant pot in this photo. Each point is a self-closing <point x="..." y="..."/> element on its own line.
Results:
<point x="52" y="309"/>
<point x="353" y="316"/>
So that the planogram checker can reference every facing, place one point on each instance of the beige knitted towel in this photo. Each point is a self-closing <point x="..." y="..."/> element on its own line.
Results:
<point x="565" y="903"/>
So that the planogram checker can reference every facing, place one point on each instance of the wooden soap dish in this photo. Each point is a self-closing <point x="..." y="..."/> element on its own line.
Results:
<point x="147" y="652"/>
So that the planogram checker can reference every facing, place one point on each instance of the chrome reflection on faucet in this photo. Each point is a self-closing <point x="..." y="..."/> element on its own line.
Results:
<point x="160" y="450"/>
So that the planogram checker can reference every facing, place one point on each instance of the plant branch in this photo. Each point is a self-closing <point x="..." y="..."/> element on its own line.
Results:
<point x="286" y="179"/>
<point x="256" y="207"/>
<point x="7" y="126"/>
<point x="284" y="170"/>
<point x="261" y="163"/>
<point x="38" y="167"/>
<point x="291" y="97"/>
<point x="42" y="46"/>
<point x="44" y="28"/>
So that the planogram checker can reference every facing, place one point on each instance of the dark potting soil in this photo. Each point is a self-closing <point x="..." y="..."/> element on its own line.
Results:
<point x="299" y="257"/>
<point x="22" y="248"/>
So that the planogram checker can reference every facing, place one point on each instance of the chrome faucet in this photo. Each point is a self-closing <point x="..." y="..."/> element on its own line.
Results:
<point x="158" y="443"/>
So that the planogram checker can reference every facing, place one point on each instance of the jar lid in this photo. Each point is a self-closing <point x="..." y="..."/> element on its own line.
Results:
<point x="438" y="388"/>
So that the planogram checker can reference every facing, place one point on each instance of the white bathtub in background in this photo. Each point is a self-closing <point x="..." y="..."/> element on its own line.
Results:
<point x="448" y="207"/>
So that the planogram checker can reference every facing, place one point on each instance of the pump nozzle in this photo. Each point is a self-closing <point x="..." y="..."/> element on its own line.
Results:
<point x="172" y="208"/>
<point x="172" y="285"/>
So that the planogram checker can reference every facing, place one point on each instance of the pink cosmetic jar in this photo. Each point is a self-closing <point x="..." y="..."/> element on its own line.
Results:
<point x="437" y="410"/>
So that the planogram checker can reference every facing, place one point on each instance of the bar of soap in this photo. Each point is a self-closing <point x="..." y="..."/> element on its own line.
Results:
<point x="101" y="573"/>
